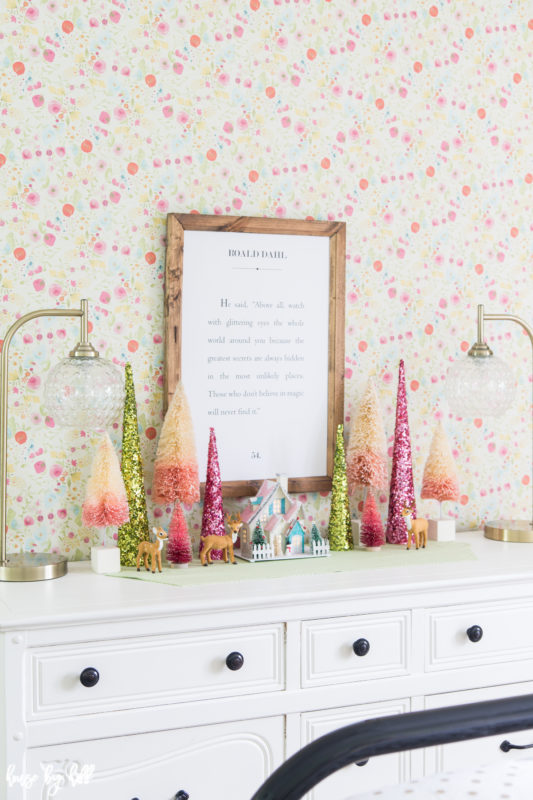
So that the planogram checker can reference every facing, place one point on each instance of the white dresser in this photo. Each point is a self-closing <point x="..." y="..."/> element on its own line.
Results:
<point x="205" y="689"/>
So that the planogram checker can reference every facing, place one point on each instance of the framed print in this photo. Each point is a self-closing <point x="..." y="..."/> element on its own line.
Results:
<point x="254" y="328"/>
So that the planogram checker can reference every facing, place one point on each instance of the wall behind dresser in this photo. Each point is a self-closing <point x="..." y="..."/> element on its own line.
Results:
<point x="407" y="120"/>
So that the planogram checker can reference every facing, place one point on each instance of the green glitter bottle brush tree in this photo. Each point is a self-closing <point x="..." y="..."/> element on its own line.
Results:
<point x="137" y="529"/>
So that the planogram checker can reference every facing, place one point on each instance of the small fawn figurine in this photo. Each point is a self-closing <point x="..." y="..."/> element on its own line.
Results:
<point x="152" y="549"/>
<point x="417" y="529"/>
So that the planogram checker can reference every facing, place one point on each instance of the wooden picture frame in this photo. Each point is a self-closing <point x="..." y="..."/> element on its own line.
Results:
<point x="176" y="311"/>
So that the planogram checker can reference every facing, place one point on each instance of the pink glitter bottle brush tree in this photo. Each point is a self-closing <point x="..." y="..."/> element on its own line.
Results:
<point x="372" y="535"/>
<point x="402" y="492"/>
<point x="213" y="513"/>
<point x="106" y="502"/>
<point x="440" y="483"/>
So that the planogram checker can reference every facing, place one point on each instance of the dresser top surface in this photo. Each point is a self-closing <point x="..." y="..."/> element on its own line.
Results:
<point x="83" y="596"/>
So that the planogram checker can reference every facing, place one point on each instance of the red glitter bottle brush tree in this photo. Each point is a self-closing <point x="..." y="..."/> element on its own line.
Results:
<point x="372" y="535"/>
<point x="179" y="550"/>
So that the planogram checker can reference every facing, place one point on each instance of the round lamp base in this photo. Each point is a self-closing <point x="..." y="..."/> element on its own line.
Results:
<point x="32" y="567"/>
<point x="509" y="530"/>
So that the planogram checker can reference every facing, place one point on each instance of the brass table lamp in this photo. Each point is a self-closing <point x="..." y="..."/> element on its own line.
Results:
<point x="483" y="385"/>
<point x="82" y="391"/>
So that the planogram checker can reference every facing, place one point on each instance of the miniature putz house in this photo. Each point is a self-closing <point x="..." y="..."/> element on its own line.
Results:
<point x="280" y="521"/>
<point x="275" y="510"/>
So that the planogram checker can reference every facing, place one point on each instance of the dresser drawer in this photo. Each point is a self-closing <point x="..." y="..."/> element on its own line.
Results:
<point x="329" y="648"/>
<point x="479" y="634"/>
<point x="154" y="670"/>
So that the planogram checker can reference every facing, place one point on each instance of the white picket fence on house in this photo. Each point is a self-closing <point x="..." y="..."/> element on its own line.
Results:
<point x="321" y="548"/>
<point x="262" y="552"/>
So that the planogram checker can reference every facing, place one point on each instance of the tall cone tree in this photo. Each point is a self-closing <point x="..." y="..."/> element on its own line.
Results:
<point x="402" y="490"/>
<point x="366" y="455"/>
<point x="339" y="526"/>
<point x="176" y="467"/>
<point x="213" y="513"/>
<point x="439" y="481"/>
<point x="137" y="529"/>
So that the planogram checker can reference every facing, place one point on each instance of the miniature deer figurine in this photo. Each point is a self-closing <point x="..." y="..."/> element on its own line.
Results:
<point x="234" y="523"/>
<point x="224" y="543"/>
<point x="417" y="529"/>
<point x="152" y="549"/>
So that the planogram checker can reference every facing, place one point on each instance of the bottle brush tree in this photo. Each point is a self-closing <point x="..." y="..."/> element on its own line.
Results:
<point x="372" y="534"/>
<point x="439" y="481"/>
<point x="366" y="454"/>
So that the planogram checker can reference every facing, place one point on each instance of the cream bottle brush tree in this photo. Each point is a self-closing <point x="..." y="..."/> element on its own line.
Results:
<point x="366" y="454"/>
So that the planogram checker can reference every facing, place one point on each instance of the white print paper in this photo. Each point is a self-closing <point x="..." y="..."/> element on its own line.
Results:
<point x="255" y="315"/>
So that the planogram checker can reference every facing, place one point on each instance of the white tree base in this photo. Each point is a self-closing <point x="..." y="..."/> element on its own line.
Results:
<point x="441" y="530"/>
<point x="356" y="531"/>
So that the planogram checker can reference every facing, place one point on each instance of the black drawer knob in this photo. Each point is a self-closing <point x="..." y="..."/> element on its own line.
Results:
<point x="235" y="661"/>
<point x="361" y="647"/>
<point x="475" y="633"/>
<point x="89" y="676"/>
<point x="181" y="795"/>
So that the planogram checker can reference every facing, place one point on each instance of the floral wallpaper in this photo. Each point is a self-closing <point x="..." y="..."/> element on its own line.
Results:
<point x="408" y="120"/>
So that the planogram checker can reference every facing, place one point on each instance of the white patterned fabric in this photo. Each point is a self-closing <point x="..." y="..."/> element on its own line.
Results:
<point x="512" y="780"/>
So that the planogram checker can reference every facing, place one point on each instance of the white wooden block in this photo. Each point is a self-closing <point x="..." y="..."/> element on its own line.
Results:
<point x="105" y="559"/>
<point x="356" y="531"/>
<point x="441" y="530"/>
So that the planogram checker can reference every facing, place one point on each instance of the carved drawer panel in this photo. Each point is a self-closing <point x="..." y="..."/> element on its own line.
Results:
<point x="355" y="648"/>
<point x="149" y="670"/>
<point x="472" y="635"/>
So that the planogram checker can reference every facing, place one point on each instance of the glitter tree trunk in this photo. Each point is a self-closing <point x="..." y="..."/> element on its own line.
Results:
<point x="213" y="513"/>
<point x="440" y="478"/>
<point x="339" y="527"/>
<point x="402" y="491"/>
<point x="366" y="455"/>
<point x="372" y="535"/>
<point x="176" y="467"/>
<point x="106" y="502"/>
<point x="136" y="530"/>
<point x="179" y="549"/>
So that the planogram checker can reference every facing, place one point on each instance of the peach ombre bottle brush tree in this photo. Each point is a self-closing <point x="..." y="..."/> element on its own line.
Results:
<point x="366" y="455"/>
<point x="439" y="482"/>
<point x="176" y="473"/>
<point x="106" y="504"/>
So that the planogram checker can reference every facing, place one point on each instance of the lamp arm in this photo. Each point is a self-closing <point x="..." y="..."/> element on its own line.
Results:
<point x="512" y="318"/>
<point x="481" y="317"/>
<point x="4" y="363"/>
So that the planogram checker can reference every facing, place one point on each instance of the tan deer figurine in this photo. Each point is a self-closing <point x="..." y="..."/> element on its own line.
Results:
<point x="234" y="523"/>
<point x="417" y="529"/>
<point x="152" y="549"/>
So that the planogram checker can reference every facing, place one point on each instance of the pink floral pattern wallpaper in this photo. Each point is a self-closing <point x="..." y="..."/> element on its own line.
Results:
<point x="408" y="120"/>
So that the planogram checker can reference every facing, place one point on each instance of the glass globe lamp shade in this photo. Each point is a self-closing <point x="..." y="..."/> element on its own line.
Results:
<point x="480" y="387"/>
<point x="84" y="393"/>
